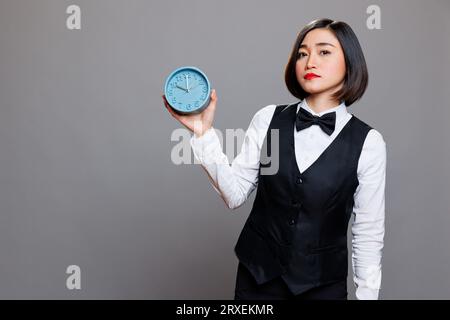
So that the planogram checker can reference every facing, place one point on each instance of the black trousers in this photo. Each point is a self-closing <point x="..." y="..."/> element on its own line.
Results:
<point x="277" y="289"/>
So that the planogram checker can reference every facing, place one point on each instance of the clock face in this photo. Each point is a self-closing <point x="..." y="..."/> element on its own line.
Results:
<point x="187" y="90"/>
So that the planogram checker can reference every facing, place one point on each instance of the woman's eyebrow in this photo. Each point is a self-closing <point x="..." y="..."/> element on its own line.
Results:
<point x="318" y="44"/>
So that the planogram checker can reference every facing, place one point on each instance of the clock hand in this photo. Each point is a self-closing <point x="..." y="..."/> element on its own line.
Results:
<point x="182" y="88"/>
<point x="187" y="82"/>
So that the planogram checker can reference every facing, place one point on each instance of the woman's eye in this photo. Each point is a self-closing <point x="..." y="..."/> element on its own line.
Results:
<point x="325" y="52"/>
<point x="301" y="55"/>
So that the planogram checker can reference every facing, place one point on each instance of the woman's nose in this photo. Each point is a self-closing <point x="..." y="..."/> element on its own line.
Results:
<point x="311" y="62"/>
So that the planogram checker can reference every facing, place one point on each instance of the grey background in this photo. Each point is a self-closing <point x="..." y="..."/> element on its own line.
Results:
<point x="86" y="176"/>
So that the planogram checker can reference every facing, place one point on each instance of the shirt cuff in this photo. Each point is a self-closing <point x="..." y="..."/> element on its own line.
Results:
<point x="364" y="293"/>
<point x="367" y="282"/>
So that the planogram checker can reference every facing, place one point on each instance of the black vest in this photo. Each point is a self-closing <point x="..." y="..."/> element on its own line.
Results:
<point x="297" y="228"/>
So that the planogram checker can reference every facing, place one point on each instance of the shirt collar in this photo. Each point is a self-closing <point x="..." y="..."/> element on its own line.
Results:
<point x="341" y="110"/>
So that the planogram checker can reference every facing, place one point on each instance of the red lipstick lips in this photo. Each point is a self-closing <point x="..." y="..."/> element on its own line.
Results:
<point x="310" y="76"/>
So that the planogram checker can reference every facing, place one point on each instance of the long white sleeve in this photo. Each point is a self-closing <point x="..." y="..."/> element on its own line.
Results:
<point x="236" y="182"/>
<point x="369" y="216"/>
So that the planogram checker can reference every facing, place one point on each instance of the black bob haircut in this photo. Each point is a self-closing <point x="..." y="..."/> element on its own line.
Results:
<point x="356" y="75"/>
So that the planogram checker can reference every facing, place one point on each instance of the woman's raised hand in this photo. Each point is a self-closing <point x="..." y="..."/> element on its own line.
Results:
<point x="198" y="123"/>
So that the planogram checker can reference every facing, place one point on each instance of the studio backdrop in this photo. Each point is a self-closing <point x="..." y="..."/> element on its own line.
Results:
<point x="95" y="200"/>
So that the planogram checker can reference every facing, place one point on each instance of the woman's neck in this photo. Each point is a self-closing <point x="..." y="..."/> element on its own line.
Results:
<point x="320" y="103"/>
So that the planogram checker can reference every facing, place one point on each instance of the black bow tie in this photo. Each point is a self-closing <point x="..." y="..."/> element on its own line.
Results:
<point x="305" y="119"/>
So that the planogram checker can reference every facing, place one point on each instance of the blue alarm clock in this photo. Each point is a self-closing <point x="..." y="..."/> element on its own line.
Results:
<point x="187" y="90"/>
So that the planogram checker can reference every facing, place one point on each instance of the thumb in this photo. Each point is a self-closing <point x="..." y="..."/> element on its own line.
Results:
<point x="213" y="94"/>
<point x="213" y="98"/>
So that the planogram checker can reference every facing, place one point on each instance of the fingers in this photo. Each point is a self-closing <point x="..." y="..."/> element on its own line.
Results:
<point x="212" y="104"/>
<point x="169" y="108"/>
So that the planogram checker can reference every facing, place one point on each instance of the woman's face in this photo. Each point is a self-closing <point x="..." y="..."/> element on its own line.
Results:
<point x="320" y="54"/>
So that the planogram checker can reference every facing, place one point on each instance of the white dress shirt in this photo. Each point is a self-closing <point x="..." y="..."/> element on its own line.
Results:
<point x="236" y="182"/>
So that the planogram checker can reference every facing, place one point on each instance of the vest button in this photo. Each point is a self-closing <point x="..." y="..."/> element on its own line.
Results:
<point x="292" y="222"/>
<point x="299" y="180"/>
<point x="295" y="203"/>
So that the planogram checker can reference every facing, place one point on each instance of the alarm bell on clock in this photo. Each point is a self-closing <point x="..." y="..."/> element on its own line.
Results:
<point x="187" y="90"/>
